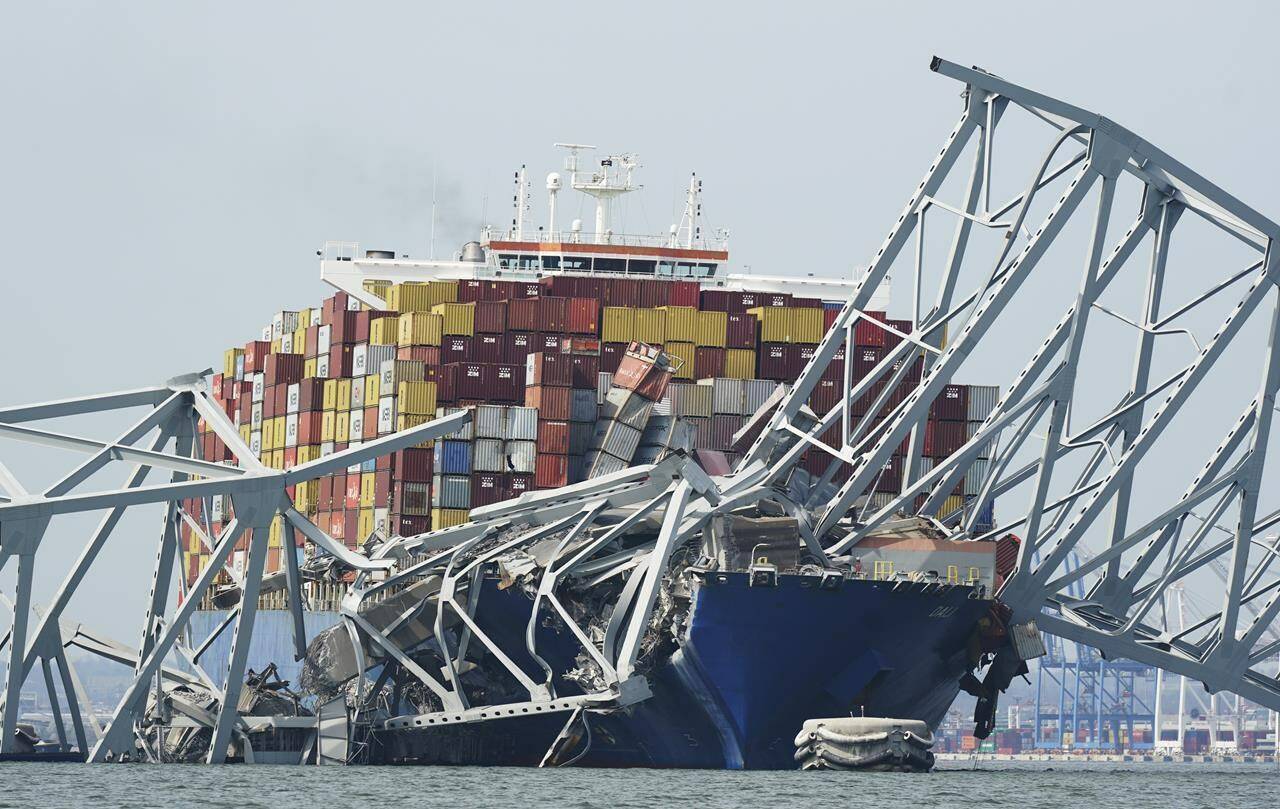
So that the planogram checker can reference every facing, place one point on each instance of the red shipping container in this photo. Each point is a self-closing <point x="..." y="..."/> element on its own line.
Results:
<point x="352" y="327"/>
<point x="486" y="489"/>
<point x="310" y="396"/>
<point x="740" y="301"/>
<point x="952" y="404"/>
<point x="414" y="464"/>
<point x="470" y="290"/>
<point x="865" y="359"/>
<point x="311" y="342"/>
<point x="943" y="438"/>
<point x="586" y="370"/>
<point x="584" y="316"/>
<point x="775" y="361"/>
<point x="351" y="520"/>
<point x="522" y="315"/>
<point x="544" y="368"/>
<point x="280" y="398"/>
<point x="829" y="318"/>
<point x="552" y="402"/>
<point x="622" y="292"/>
<point x="408" y="525"/>
<point x="867" y="333"/>
<point x="470" y="381"/>
<point x="516" y="345"/>
<point x="645" y="378"/>
<point x="611" y="355"/>
<point x="806" y="303"/>
<point x="740" y="331"/>
<point x="447" y="383"/>
<point x="428" y="354"/>
<point x="338" y="302"/>
<point x="708" y="362"/>
<point x="487" y="348"/>
<point x="890" y="479"/>
<point x="553" y="314"/>
<point x="382" y="479"/>
<point x="683" y="293"/>
<point x="560" y="286"/>
<point x="515" y="485"/>
<point x="455" y="349"/>
<point x="553" y="437"/>
<point x="891" y="341"/>
<point x="324" y="495"/>
<point x="290" y="457"/>
<point x="491" y="317"/>
<point x="551" y="471"/>
<point x="804" y="354"/>
<point x="522" y="290"/>
<point x="722" y="429"/>
<point x="282" y="369"/>
<point x="549" y="341"/>
<point x="351" y="494"/>
<point x="269" y="404"/>
<point x="337" y="527"/>
<point x="825" y="395"/>
<point x="578" y="344"/>
<point x="835" y="368"/>
<point x="309" y="427"/>
<point x="370" y="422"/>
<point x="255" y="354"/>
<point x="594" y="288"/>
<point x="654" y="293"/>
<point x="774" y="299"/>
<point x="504" y="383"/>
<point x="339" y="361"/>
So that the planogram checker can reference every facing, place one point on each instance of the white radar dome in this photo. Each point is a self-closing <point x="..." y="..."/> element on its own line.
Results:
<point x="553" y="181"/>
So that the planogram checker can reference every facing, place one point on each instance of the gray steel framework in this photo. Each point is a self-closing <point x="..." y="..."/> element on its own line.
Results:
<point x="1061" y="487"/>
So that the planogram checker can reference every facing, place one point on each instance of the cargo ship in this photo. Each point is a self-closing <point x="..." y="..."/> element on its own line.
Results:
<point x="527" y="327"/>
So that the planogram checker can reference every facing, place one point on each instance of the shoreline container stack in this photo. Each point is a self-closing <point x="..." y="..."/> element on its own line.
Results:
<point x="554" y="370"/>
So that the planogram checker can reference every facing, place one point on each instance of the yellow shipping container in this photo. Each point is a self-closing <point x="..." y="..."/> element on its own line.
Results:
<point x="366" y="490"/>
<point x="379" y="288"/>
<point x="265" y="435"/>
<point x="740" y="363"/>
<point x="372" y="386"/>
<point x="364" y="524"/>
<point x="310" y="452"/>
<point x="277" y="459"/>
<point x="405" y="421"/>
<point x="807" y="325"/>
<point x="651" y="326"/>
<point x="775" y="323"/>
<point x="330" y="397"/>
<point x="305" y="495"/>
<point x="685" y="351"/>
<point x="343" y="401"/>
<point x="328" y="425"/>
<point x="618" y="324"/>
<point x="300" y="340"/>
<point x="245" y="431"/>
<point x="419" y="297"/>
<point x="275" y="346"/>
<point x="459" y="318"/>
<point x="682" y="323"/>
<point x="713" y="329"/>
<point x="448" y="517"/>
<point x="953" y="503"/>
<point x="304" y="319"/>
<point x="273" y="533"/>
<point x="194" y="545"/>
<point x="416" y="398"/>
<point x="385" y="331"/>
<point x="229" y="358"/>
<point x="310" y="368"/>
<point x="420" y="329"/>
<point x="342" y="426"/>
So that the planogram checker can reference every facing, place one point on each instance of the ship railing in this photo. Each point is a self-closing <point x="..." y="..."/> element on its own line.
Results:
<point x="335" y="250"/>
<point x="612" y="239"/>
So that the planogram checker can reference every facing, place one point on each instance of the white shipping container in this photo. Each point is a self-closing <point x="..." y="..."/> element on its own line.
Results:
<point x="286" y="343"/>
<point x="755" y="392"/>
<point x="726" y="396"/>
<point x="283" y="323"/>
<point x="322" y="366"/>
<point x="626" y="407"/>
<point x="521" y="456"/>
<point x="255" y="416"/>
<point x="386" y="415"/>
<point x="604" y="381"/>
<point x="971" y="430"/>
<point x="378" y="355"/>
<point x="690" y="400"/>
<point x="599" y="464"/>
<point x="357" y="392"/>
<point x="487" y="456"/>
<point x="360" y="359"/>
<point x="490" y="422"/>
<point x="316" y="314"/>
<point x="293" y="394"/>
<point x="975" y="476"/>
<point x="266" y="334"/>
<point x="464" y="433"/>
<point x="982" y="400"/>
<point x="255" y="442"/>
<point x="259" y="386"/>
<point x="522" y="424"/>
<point x="382" y="521"/>
<point x="322" y="340"/>
<point x="451" y="491"/>
<point x="618" y="440"/>
<point x="291" y="430"/>
<point x="216" y="508"/>
<point x="357" y="425"/>
<point x="326" y="448"/>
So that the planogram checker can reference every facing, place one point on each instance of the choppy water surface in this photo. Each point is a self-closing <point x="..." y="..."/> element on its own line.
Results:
<point x="1042" y="784"/>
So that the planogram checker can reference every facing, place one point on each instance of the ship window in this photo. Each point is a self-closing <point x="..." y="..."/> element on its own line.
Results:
<point x="506" y="261"/>
<point x="550" y="262"/>
<point x="953" y="574"/>
<point x="645" y="266"/>
<point x="610" y="265"/>
<point x="883" y="569"/>
<point x="529" y="262"/>
<point x="974" y="575"/>
<point x="575" y="263"/>
<point x="685" y="269"/>
<point x="666" y="268"/>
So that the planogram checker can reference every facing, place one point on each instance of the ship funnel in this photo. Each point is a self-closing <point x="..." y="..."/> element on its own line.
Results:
<point x="473" y="251"/>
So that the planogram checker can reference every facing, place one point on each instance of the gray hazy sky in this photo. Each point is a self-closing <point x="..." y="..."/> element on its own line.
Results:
<point x="170" y="169"/>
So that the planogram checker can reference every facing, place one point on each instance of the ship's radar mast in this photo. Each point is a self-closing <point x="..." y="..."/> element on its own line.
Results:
<point x="611" y="179"/>
<point x="690" y="228"/>
<point x="521" y="202"/>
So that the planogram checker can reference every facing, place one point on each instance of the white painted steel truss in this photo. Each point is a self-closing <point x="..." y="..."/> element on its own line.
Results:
<point x="1061" y="486"/>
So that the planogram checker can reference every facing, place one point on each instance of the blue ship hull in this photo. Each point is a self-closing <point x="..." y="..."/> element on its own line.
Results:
<point x="752" y="665"/>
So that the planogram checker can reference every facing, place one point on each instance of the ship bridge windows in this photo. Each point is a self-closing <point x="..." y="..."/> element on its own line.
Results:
<point x="643" y="266"/>
<point x="610" y="265"/>
<point x="686" y="269"/>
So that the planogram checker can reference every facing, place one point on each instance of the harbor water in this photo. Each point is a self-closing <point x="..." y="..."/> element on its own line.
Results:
<point x="1023" y="784"/>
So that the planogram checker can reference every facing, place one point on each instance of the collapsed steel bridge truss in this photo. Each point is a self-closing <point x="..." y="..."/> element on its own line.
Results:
<point x="1129" y="427"/>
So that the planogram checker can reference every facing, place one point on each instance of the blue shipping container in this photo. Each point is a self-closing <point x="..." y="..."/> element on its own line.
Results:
<point x="453" y="457"/>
